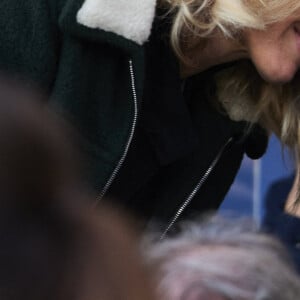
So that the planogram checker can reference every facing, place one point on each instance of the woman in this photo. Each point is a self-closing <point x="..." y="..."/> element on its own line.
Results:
<point x="163" y="126"/>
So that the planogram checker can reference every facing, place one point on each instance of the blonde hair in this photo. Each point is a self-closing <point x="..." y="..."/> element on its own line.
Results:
<point x="276" y="107"/>
<point x="273" y="105"/>
<point x="200" y="18"/>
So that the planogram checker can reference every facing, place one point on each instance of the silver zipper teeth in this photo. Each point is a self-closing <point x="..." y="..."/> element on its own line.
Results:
<point x="133" y="126"/>
<point x="196" y="189"/>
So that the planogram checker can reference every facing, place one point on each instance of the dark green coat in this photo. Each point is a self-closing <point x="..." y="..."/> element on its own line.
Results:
<point x="86" y="71"/>
<point x="89" y="57"/>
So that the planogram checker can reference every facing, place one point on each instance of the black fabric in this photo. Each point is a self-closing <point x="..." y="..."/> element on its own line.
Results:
<point x="165" y="117"/>
<point x="179" y="134"/>
<point x="164" y="131"/>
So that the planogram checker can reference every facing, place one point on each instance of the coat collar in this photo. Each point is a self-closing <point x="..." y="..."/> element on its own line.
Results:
<point x="116" y="21"/>
<point x="131" y="19"/>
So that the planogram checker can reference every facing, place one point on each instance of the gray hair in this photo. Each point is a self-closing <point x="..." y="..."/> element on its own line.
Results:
<point x="229" y="259"/>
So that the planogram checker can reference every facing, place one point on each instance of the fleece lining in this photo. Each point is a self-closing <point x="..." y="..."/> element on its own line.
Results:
<point x="131" y="19"/>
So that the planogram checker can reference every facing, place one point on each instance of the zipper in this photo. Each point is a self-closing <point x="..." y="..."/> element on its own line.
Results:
<point x="130" y="138"/>
<point x="196" y="189"/>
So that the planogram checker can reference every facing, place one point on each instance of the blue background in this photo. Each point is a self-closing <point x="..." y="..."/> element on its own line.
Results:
<point x="247" y="194"/>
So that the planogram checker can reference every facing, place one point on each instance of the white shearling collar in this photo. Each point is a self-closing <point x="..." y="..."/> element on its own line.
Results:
<point x="131" y="19"/>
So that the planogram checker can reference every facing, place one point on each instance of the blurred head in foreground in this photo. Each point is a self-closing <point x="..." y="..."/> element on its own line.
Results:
<point x="52" y="244"/>
<point x="222" y="260"/>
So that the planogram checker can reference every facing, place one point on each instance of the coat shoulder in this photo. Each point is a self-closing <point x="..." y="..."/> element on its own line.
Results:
<point x="29" y="38"/>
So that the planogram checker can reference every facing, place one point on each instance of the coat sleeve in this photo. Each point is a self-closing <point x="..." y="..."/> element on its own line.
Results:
<point x="29" y="40"/>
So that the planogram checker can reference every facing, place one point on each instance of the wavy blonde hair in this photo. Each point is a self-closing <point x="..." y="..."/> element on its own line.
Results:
<point x="275" y="106"/>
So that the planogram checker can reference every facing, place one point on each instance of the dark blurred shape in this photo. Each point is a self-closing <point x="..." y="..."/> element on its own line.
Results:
<point x="52" y="244"/>
<point x="37" y="163"/>
<point x="278" y="221"/>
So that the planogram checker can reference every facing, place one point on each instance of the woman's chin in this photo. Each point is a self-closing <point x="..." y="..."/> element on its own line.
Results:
<point x="280" y="76"/>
